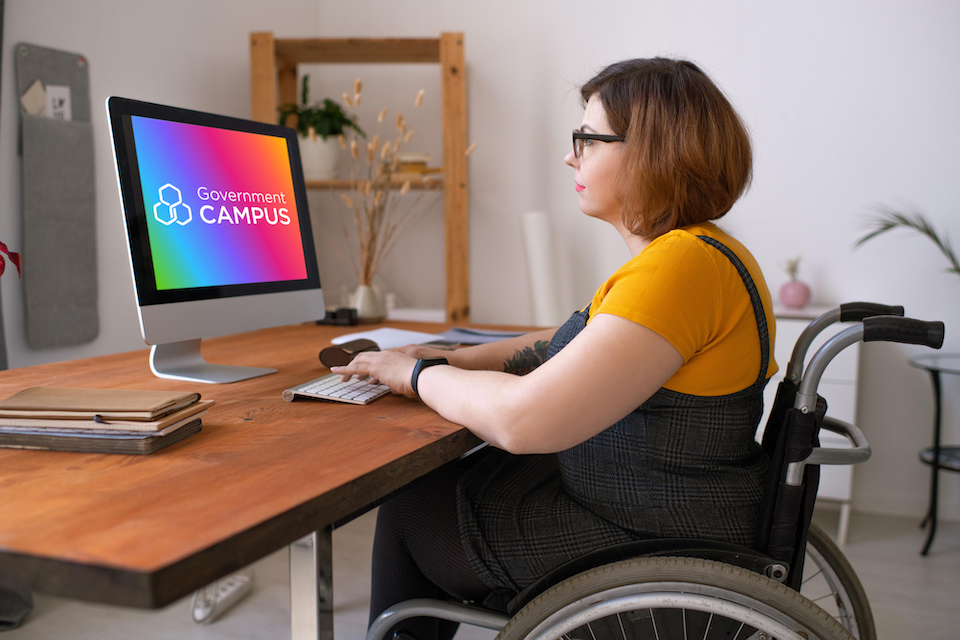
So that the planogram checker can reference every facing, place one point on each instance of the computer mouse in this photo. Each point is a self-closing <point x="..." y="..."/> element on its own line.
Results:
<point x="340" y="355"/>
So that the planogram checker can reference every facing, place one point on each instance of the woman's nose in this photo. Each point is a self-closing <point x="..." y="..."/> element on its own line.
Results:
<point x="571" y="160"/>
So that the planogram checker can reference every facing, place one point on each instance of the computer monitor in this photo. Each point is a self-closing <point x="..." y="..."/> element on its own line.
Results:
<point x="218" y="230"/>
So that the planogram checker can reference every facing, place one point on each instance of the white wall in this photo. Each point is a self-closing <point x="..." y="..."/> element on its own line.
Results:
<point x="189" y="54"/>
<point x="850" y="105"/>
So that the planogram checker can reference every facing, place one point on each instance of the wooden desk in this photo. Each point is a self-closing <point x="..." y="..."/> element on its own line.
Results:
<point x="144" y="531"/>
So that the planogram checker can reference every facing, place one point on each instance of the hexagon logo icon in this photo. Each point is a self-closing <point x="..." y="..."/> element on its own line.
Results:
<point x="171" y="200"/>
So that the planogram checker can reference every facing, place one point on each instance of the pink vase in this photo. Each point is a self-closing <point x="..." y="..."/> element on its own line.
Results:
<point x="795" y="294"/>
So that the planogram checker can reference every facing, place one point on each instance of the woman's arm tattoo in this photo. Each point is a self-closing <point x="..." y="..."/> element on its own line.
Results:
<point x="525" y="361"/>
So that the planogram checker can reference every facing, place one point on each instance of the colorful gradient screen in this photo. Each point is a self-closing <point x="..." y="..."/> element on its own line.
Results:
<point x="219" y="205"/>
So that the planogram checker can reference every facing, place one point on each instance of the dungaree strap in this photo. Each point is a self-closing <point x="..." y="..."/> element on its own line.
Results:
<point x="758" y="310"/>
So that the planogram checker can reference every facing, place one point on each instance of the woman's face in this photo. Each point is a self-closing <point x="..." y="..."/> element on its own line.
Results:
<point x="595" y="171"/>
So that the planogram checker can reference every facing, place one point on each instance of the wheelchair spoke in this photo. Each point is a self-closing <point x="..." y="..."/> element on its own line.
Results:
<point x="830" y="582"/>
<point x="806" y="580"/>
<point x="590" y="629"/>
<point x="707" y="630"/>
<point x="832" y="595"/>
<point x="742" y="625"/>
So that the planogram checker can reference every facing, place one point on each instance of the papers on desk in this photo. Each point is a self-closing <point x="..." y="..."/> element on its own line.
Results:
<point x="99" y="420"/>
<point x="389" y="338"/>
<point x="461" y="335"/>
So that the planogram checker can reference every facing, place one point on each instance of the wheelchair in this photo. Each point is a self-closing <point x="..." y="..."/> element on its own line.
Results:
<point x="796" y="585"/>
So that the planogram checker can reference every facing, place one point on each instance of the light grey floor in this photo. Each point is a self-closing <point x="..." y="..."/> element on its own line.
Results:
<point x="912" y="597"/>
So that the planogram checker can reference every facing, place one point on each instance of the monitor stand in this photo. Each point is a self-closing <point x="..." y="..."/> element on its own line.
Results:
<point x="182" y="361"/>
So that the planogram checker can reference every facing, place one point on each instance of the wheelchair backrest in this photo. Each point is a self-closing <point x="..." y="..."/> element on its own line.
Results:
<point x="786" y="511"/>
<point x="792" y="430"/>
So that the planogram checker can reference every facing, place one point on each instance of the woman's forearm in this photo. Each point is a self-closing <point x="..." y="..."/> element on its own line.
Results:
<point x="517" y="355"/>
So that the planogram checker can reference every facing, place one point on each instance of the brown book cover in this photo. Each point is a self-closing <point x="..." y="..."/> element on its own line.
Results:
<point x="107" y="404"/>
<point x="137" y="446"/>
<point x="103" y="424"/>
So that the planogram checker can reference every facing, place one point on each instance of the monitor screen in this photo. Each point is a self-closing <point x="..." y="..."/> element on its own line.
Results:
<point x="217" y="222"/>
<point x="222" y="204"/>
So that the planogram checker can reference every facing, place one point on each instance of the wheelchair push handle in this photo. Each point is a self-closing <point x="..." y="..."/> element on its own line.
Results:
<point x="904" y="330"/>
<point x="857" y="311"/>
<point x="878" y="328"/>
<point x="847" y="312"/>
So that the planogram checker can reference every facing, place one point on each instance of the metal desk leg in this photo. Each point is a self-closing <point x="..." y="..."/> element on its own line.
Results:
<point x="843" y="525"/>
<point x="311" y="586"/>
<point x="931" y="517"/>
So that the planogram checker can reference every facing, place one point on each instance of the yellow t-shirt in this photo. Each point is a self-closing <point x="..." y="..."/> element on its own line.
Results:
<point x="691" y="294"/>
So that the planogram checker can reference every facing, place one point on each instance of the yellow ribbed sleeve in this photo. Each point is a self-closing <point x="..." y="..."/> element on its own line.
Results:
<point x="691" y="294"/>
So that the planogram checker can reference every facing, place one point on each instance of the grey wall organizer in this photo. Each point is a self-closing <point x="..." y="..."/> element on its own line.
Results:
<point x="59" y="206"/>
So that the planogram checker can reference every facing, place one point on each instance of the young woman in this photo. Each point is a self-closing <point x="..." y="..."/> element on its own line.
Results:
<point x="636" y="418"/>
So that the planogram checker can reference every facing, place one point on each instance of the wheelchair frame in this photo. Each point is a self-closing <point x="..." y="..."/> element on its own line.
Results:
<point x="631" y="589"/>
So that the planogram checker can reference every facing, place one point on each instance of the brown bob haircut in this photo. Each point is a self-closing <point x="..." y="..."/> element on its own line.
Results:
<point x="687" y="154"/>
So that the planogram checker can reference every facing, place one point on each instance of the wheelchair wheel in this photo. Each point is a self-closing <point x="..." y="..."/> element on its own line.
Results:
<point x="830" y="582"/>
<point x="671" y="597"/>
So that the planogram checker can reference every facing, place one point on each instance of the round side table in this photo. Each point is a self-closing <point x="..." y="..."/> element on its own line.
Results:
<point x="938" y="456"/>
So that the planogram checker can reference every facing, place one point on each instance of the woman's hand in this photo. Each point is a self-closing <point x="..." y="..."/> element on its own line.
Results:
<point x="391" y="368"/>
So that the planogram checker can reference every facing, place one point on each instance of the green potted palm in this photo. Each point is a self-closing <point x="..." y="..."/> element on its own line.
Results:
<point x="888" y="218"/>
<point x="319" y="127"/>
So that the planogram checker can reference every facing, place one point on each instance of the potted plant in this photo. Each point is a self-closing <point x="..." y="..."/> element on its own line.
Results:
<point x="318" y="126"/>
<point x="887" y="218"/>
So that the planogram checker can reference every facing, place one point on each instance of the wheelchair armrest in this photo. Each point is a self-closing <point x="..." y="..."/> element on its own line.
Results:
<point x="860" y="451"/>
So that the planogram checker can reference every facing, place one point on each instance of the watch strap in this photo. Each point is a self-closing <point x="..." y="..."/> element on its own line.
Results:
<point x="422" y="364"/>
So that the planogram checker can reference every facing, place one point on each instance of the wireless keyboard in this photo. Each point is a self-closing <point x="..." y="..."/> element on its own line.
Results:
<point x="330" y="387"/>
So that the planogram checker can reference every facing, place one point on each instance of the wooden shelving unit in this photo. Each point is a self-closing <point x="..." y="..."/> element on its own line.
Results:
<point x="273" y="81"/>
<point x="339" y="185"/>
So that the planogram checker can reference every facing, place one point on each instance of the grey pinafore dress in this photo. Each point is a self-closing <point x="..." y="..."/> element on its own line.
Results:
<point x="678" y="466"/>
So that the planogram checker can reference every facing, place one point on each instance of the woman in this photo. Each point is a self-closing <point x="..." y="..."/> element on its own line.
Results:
<point x="638" y="419"/>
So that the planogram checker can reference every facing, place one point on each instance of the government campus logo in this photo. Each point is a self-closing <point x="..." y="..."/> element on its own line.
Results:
<point x="172" y="208"/>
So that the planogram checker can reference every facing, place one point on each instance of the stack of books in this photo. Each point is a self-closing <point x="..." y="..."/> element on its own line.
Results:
<point x="99" y="420"/>
<point x="413" y="166"/>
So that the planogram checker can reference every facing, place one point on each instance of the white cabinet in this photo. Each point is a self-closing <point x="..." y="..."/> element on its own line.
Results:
<point x="838" y="386"/>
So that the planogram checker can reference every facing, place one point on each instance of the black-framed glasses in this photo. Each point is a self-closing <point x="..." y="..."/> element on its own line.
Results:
<point x="580" y="136"/>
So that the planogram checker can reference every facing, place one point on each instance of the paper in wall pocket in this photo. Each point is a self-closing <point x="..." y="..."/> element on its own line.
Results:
<point x="34" y="99"/>
<point x="58" y="104"/>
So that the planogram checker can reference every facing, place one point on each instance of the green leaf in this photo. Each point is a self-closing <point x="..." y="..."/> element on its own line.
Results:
<point x="888" y="219"/>
<point x="326" y="119"/>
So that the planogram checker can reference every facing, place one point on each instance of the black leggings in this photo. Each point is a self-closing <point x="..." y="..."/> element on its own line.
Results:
<point x="418" y="553"/>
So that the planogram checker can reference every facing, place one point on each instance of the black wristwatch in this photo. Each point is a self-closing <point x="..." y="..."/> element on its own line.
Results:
<point x="422" y="364"/>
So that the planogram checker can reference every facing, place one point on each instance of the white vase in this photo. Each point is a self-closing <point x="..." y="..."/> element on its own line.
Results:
<point x="368" y="305"/>
<point x="320" y="158"/>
